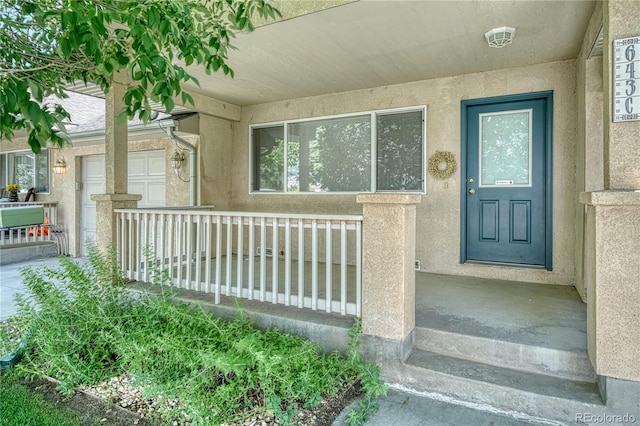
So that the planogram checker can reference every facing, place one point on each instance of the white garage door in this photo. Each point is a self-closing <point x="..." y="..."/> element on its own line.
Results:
<point x="146" y="177"/>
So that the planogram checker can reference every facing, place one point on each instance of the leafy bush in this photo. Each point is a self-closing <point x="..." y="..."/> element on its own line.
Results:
<point x="87" y="327"/>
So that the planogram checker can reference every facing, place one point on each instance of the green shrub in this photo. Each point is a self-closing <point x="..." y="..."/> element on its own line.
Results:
<point x="87" y="327"/>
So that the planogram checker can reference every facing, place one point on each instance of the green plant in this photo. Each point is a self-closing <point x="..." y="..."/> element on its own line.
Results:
<point x="369" y="375"/>
<point x="87" y="327"/>
<point x="10" y="336"/>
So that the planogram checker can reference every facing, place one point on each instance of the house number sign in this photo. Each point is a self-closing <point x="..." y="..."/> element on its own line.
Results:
<point x="626" y="79"/>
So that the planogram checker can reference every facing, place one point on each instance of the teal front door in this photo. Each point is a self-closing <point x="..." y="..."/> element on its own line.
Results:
<point x="507" y="181"/>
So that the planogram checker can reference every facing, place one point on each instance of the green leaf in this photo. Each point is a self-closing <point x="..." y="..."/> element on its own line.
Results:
<point x="34" y="113"/>
<point x="36" y="90"/>
<point x="187" y="99"/>
<point x="65" y="45"/>
<point x="168" y="104"/>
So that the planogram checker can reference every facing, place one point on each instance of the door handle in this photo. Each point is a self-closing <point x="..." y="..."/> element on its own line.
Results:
<point x="472" y="191"/>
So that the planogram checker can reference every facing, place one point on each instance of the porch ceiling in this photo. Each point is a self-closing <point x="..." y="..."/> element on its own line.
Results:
<point x="371" y="43"/>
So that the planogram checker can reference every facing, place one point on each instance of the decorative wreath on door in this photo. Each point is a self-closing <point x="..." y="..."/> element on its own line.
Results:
<point x="442" y="165"/>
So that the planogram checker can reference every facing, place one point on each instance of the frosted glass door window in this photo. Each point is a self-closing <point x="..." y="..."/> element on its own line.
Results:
<point x="505" y="148"/>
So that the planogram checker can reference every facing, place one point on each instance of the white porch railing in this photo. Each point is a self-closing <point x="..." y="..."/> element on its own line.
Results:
<point x="50" y="231"/>
<point x="308" y="261"/>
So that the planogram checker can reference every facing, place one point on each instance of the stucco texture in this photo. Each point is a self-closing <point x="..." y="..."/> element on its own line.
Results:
<point x="438" y="215"/>
<point x="613" y="316"/>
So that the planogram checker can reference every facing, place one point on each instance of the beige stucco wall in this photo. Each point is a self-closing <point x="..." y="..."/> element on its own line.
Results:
<point x="217" y="162"/>
<point x="438" y="215"/>
<point x="589" y="137"/>
<point x="621" y="153"/>
<point x="64" y="190"/>
<point x="612" y="270"/>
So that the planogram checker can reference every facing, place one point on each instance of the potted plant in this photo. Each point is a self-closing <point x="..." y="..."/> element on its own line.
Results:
<point x="13" y="189"/>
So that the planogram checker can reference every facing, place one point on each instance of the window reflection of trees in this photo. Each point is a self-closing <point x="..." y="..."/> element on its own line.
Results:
<point x="505" y="148"/>
<point x="334" y="154"/>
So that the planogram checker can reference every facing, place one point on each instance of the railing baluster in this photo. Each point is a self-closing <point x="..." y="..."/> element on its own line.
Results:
<point x="198" y="256"/>
<point x="287" y="262"/>
<point x="218" y="257"/>
<point x="229" y="254"/>
<point x="343" y="267"/>
<point x="274" y="260"/>
<point x="240" y="257"/>
<point x="358" y="268"/>
<point x="171" y="241"/>
<point x="328" y="267"/>
<point x="145" y="245"/>
<point x="252" y="248"/>
<point x="207" y="253"/>
<point x="181" y="247"/>
<point x="138" y="247"/>
<point x="160" y="241"/>
<point x="300" y="263"/>
<point x="314" y="264"/>
<point x="189" y="247"/>
<point x="263" y="258"/>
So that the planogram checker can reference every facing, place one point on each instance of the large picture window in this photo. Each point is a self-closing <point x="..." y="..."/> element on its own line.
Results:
<point x="25" y="168"/>
<point x="369" y="152"/>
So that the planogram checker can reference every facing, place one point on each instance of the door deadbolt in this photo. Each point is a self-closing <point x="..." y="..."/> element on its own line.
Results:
<point x="471" y="180"/>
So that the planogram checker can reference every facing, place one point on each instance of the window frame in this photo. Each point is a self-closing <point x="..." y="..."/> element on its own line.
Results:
<point x="4" y="158"/>
<point x="373" y="114"/>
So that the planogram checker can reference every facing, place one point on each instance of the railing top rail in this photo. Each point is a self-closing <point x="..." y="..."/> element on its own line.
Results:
<point x="268" y="215"/>
<point x="28" y="203"/>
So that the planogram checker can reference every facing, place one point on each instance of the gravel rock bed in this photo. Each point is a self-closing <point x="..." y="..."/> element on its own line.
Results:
<point x="10" y="337"/>
<point x="119" y="391"/>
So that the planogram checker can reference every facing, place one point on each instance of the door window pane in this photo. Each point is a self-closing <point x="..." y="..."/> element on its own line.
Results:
<point x="505" y="148"/>
<point x="399" y="154"/>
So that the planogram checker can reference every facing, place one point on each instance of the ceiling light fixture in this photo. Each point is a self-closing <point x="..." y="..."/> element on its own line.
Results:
<point x="500" y="36"/>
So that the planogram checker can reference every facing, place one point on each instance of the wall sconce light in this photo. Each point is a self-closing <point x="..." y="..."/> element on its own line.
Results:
<point x="176" y="160"/>
<point x="500" y="36"/>
<point x="60" y="167"/>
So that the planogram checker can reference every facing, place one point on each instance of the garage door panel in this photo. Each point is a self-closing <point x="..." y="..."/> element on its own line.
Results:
<point x="155" y="191"/>
<point x="137" y="166"/>
<point x="93" y="167"/>
<point x="146" y="177"/>
<point x="156" y="166"/>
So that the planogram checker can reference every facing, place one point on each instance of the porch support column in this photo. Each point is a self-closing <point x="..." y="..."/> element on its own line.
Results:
<point x="612" y="237"/>
<point x="389" y="246"/>
<point x="116" y="169"/>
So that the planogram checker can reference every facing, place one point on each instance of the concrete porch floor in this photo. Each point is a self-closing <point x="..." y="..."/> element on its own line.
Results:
<point x="550" y="316"/>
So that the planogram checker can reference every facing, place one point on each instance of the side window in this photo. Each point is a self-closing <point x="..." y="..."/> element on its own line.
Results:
<point x="400" y="152"/>
<point x="268" y="159"/>
<point x="26" y="169"/>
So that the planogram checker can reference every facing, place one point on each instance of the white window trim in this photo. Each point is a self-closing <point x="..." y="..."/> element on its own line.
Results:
<point x="374" y="160"/>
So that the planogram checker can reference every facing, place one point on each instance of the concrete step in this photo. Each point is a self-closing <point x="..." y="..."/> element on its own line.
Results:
<point x="572" y="365"/>
<point x="14" y="253"/>
<point x="538" y="395"/>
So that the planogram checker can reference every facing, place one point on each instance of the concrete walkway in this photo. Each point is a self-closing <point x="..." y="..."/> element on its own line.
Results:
<point x="405" y="408"/>
<point x="11" y="283"/>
